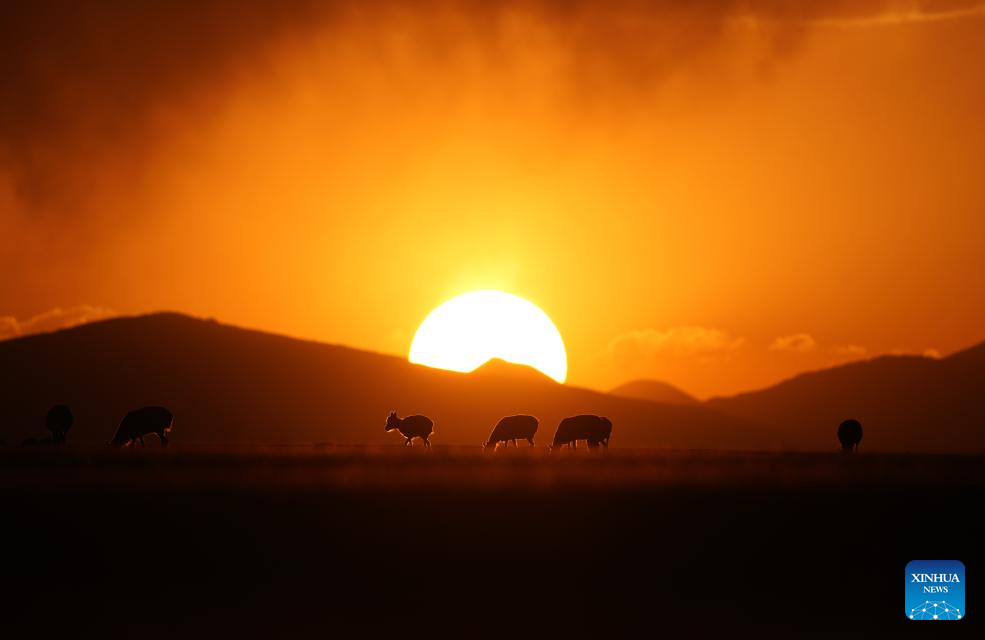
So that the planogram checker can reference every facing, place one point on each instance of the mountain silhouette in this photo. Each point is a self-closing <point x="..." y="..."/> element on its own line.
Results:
<point x="654" y="391"/>
<point x="905" y="404"/>
<point x="229" y="385"/>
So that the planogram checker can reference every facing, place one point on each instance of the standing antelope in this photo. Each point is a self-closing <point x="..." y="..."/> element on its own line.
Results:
<point x="410" y="427"/>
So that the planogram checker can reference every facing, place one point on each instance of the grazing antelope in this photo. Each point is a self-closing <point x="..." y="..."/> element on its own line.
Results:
<point x="410" y="427"/>
<point x="512" y="428"/>
<point x="595" y="429"/>
<point x="140" y="422"/>
<point x="850" y="434"/>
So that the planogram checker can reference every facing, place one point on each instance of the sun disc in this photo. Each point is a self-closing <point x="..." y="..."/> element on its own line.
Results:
<point x="467" y="331"/>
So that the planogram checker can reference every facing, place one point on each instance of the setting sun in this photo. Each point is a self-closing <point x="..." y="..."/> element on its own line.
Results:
<point x="469" y="330"/>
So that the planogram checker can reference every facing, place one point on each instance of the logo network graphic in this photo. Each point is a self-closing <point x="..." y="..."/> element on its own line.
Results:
<point x="935" y="590"/>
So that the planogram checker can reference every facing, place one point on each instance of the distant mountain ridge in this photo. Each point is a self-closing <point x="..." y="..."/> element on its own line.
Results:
<point x="653" y="391"/>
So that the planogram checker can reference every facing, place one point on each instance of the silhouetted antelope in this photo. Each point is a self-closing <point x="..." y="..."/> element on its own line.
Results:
<point x="511" y="428"/>
<point x="140" y="422"/>
<point x="849" y="435"/>
<point x="59" y="421"/>
<point x="410" y="427"/>
<point x="595" y="429"/>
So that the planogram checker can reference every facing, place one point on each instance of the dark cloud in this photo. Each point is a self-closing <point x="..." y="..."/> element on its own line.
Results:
<point x="82" y="82"/>
<point x="81" y="78"/>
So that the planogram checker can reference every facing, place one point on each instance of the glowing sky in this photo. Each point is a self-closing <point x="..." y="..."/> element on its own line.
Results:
<point x="719" y="194"/>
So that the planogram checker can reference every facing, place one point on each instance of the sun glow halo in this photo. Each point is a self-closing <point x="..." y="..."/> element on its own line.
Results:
<point x="467" y="331"/>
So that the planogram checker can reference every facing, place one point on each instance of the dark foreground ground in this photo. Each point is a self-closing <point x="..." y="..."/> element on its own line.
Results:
<point x="360" y="542"/>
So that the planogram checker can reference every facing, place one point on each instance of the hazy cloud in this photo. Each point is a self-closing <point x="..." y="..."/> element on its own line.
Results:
<point x="930" y="352"/>
<point x="52" y="320"/>
<point x="849" y="350"/>
<point x="680" y="342"/>
<point x="904" y="12"/>
<point x="796" y="343"/>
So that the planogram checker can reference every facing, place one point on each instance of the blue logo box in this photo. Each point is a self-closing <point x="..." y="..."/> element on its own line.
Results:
<point x="935" y="590"/>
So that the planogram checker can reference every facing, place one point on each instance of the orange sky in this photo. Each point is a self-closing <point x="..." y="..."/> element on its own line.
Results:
<point x="719" y="195"/>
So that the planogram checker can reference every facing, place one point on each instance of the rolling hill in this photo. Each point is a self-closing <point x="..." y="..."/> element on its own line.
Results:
<point x="230" y="385"/>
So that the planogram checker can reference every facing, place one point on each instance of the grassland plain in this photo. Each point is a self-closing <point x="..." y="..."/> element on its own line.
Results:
<point x="289" y="541"/>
